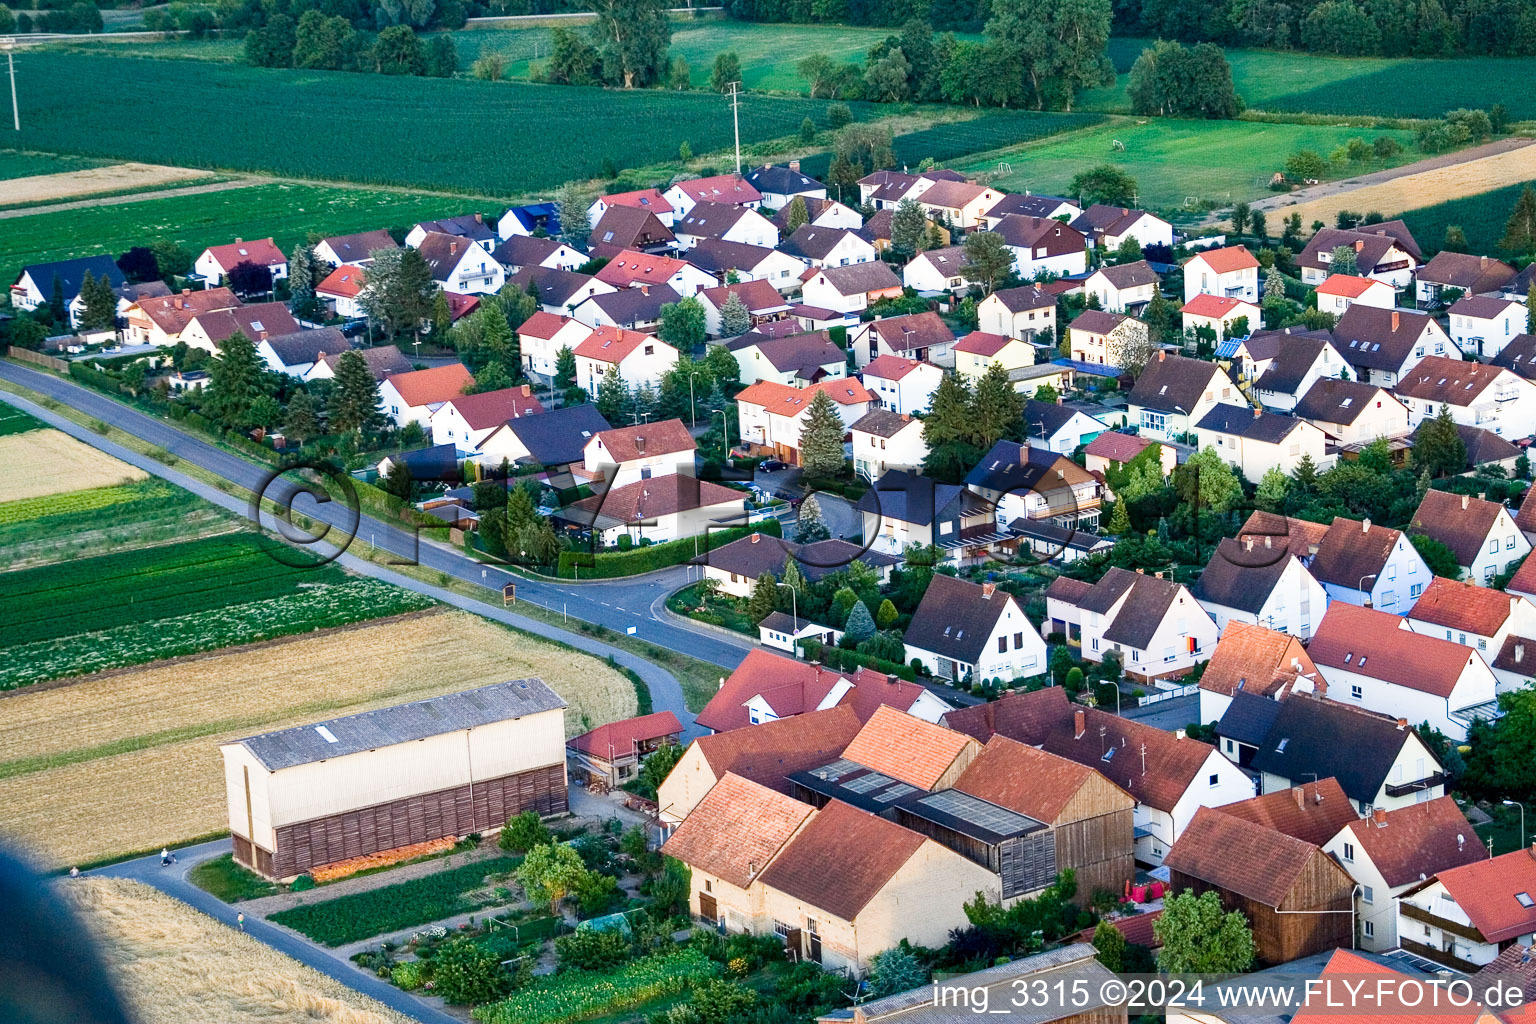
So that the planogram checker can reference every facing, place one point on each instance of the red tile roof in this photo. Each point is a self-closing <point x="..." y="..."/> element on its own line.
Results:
<point x="1417" y="840"/>
<point x="614" y="344"/>
<point x="790" y="686"/>
<point x="731" y="189"/>
<point x="543" y="325"/>
<point x="493" y="408"/>
<point x="1225" y="261"/>
<point x="1246" y="858"/>
<point x="759" y="296"/>
<point x="841" y="859"/>
<point x="1214" y="306"/>
<point x="907" y="748"/>
<point x="617" y="739"/>
<point x="890" y="367"/>
<point x="345" y="281"/>
<point x="664" y="437"/>
<point x="1347" y="285"/>
<point x="1356" y="970"/>
<point x="1155" y="766"/>
<point x="631" y="267"/>
<point x="769" y="752"/>
<point x="438" y="384"/>
<point x="1137" y="929"/>
<point x="1485" y="890"/>
<point x="1459" y="521"/>
<point x="1019" y="777"/>
<point x="1028" y="717"/>
<point x="737" y="830"/>
<point x="659" y="496"/>
<point x="1314" y="812"/>
<point x="982" y="343"/>
<point x="783" y="400"/>
<point x="172" y="313"/>
<point x="1371" y="643"/>
<point x="1117" y="447"/>
<point x="1255" y="660"/>
<point x="261" y="251"/>
<point x="1455" y="604"/>
<point x="646" y="199"/>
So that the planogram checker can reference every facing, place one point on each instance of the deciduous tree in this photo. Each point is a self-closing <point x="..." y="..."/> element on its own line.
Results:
<point x="682" y="324"/>
<point x="987" y="258"/>
<point x="1105" y="184"/>
<point x="1198" y="936"/>
<point x="632" y="37"/>
<point x="727" y="70"/>
<point x="550" y="873"/>
<point x="907" y="224"/>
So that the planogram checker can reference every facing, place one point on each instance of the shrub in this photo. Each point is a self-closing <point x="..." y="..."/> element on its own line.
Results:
<point x="576" y="995"/>
<point x="464" y="972"/>
<point x="407" y="975"/>
<point x="524" y="832"/>
<point x="302" y="883"/>
<point x="592" y="950"/>
<point x="612" y="564"/>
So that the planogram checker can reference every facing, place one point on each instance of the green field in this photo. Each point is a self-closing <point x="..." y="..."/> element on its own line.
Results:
<point x="1219" y="162"/>
<point x="18" y="164"/>
<point x="1421" y="88"/>
<point x="1481" y="217"/>
<point x="495" y="138"/>
<point x="14" y="421"/>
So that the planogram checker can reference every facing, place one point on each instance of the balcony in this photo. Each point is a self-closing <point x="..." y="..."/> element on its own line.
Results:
<point x="1416" y="913"/>
<point x="1439" y="956"/>
<point x="1416" y="786"/>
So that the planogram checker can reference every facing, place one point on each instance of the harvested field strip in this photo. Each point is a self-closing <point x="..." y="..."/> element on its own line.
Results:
<point x="43" y="188"/>
<point x="136" y="752"/>
<point x="172" y="964"/>
<point x="72" y="465"/>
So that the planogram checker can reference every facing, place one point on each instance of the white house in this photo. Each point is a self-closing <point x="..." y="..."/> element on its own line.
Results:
<point x="660" y="509"/>
<point x="779" y="184"/>
<point x="529" y="220"/>
<point x="214" y="263"/>
<point x="644" y="451"/>
<point x="1059" y="427"/>
<point x="299" y="354"/>
<point x="1385" y="252"/>
<point x="1043" y="246"/>
<point x="469" y="227"/>
<point x="631" y="268"/>
<point x="765" y="305"/>
<point x="936" y="270"/>
<point x="1102" y="338"/>
<point x="726" y="189"/>
<point x="1174" y="393"/>
<point x="922" y="336"/>
<point x="771" y="416"/>
<point x="1481" y="534"/>
<point x="354" y="250"/>
<point x="1250" y="663"/>
<point x="34" y="286"/>
<point x="638" y="309"/>
<point x="963" y="630"/>
<point x="979" y="350"/>
<point x="258" y="322"/>
<point x="727" y="223"/>
<point x="959" y="203"/>
<point x="1475" y="394"/>
<point x="850" y="290"/>
<point x="1224" y="317"/>
<point x="638" y="358"/>
<point x="883" y="439"/>
<point x="1462" y="274"/>
<point x="902" y="385"/>
<point x="828" y="246"/>
<point x="748" y="262"/>
<point x="543" y="335"/>
<point x="647" y="199"/>
<point x="1477" y="617"/>
<point x="1230" y="273"/>
<point x="521" y="251"/>
<point x="1382" y="345"/>
<point x="1253" y="441"/>
<point x="794" y="359"/>
<point x="1351" y="552"/>
<point x="1123" y="288"/>
<point x="1155" y="625"/>
<point x="342" y="290"/>
<point x="1371" y="659"/>
<point x="1109" y="226"/>
<point x="1465" y="917"/>
<point x="413" y="397"/>
<point x="1340" y="291"/>
<point x="1481" y="325"/>
<point x="464" y="421"/>
<point x="1026" y="483"/>
<point x="1032" y="205"/>
<point x="1298" y="363"/>
<point x="1025" y="313"/>
<point x="459" y="265"/>
<point x="1353" y="413"/>
<point x="1246" y="581"/>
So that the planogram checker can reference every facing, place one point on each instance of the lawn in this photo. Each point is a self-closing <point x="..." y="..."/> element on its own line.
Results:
<point x="14" y="421"/>
<point x="1481" y="217"/>
<point x="222" y="877"/>
<point x="458" y="134"/>
<point x="1173" y="161"/>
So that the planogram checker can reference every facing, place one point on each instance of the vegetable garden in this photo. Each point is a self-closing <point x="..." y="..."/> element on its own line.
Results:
<point x="576" y="995"/>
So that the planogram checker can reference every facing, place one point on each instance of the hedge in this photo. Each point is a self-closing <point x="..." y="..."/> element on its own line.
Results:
<point x="611" y="564"/>
<point x="847" y="661"/>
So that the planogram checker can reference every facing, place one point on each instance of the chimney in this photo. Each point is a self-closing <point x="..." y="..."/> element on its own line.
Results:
<point x="1482" y="261"/>
<point x="645" y="289"/>
<point x="527" y="390"/>
<point x="1395" y="318"/>
<point x="239" y="240"/>
<point x="1301" y="797"/>
<point x="1079" y="724"/>
<point x="1162" y="354"/>
<point x="1379" y="816"/>
<point x="453" y="250"/>
<point x="756" y="537"/>
<point x="1158" y="574"/>
<point x="1482" y="495"/>
<point x="1465" y="501"/>
<point x="479" y="218"/>
<point x="1359" y="245"/>
<point x="1248" y="543"/>
<point x="1058" y="400"/>
<point x="1257" y="413"/>
<point x="987" y="590"/>
<point x="1365" y="526"/>
<point x="794" y="165"/>
<point x="1141" y="572"/>
<point x="1178" y="734"/>
<point x="180" y="303"/>
<point x="640" y="444"/>
<point x="1402" y="723"/>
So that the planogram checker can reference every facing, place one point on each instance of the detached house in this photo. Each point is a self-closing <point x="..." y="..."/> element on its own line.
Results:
<point x="1058" y="427"/>
<point x="1174" y="393"/>
<point x="936" y="271"/>
<point x="978" y="350"/>
<point x="718" y="221"/>
<point x="259" y="322"/>
<point x="383" y="360"/>
<point x="1253" y="441"/>
<point x="34" y="286"/>
<point x="772" y="416"/>
<point x="637" y="309"/>
<point x="342" y="291"/>
<point x="827" y="246"/>
<point x="737" y="565"/>
<point x="552" y="439"/>
<point x="1351" y="552"/>
<point x="1481" y="534"/>
<point x="647" y="200"/>
<point x="1030" y="205"/>
<point x="623" y="455"/>
<point x="851" y="289"/>
<point x="1384" y="252"/>
<point x="1223" y="317"/>
<point x="795" y="360"/>
<point x="900" y="384"/>
<point x="637" y="358"/>
<point x="1477" y="617"/>
<point x="964" y="630"/>
<point x="628" y="227"/>
<point x="1519" y="356"/>
<point x="767" y="688"/>
<point x="1124" y="288"/>
<point x="471" y="227"/>
<point x="459" y="265"/>
<point x="884" y="189"/>
<point x="823" y="213"/>
<point x="523" y="221"/>
<point x="1463" y="917"/>
<point x="657" y="510"/>
<point x="161" y="319"/>
<point x="921" y="336"/>
<point x="903" y="509"/>
<point x="1373" y="660"/>
<point x="1462" y="273"/>
<point x="725" y="189"/>
<point x="1156" y="626"/>
<point x="1391" y="851"/>
<point x="1475" y="394"/>
<point x="779" y="184"/>
<point x="1252" y="661"/>
<point x="884" y="440"/>
<point x="1298" y="364"/>
<point x="631" y="268"/>
<point x="464" y="421"/>
<point x="748" y="262"/>
<point x="764" y="304"/>
<point x="299" y="354"/>
<point x="1482" y="325"/>
<point x="959" y="204"/>
<point x="559" y="291"/>
<point x="1254" y="583"/>
<point x="1230" y="273"/>
<point x="1351" y="413"/>
<point x="214" y="264"/>
<point x="1107" y="227"/>
<point x="543" y="335"/>
<point x="354" y="250"/>
<point x="1022" y="313"/>
<point x="1102" y="338"/>
<point x="1383" y="345"/>
<point x="1043" y="246"/>
<point x="1340" y="291"/>
<point x="1029" y="482"/>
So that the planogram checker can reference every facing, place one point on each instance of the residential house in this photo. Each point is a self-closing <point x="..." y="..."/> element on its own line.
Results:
<point x="1484" y="448"/>
<point x="978" y="350"/>
<point x="1482" y="325"/>
<point x="903" y="509"/>
<point x="638" y="358"/>
<point x="1383" y="345"/>
<point x="1174" y="393"/>
<point x="771" y="416"/>
<point x="1302" y="538"/>
<point x="647" y="200"/>
<point x="737" y="565"/>
<point x="521" y="251"/>
<point x="459" y="265"/>
<point x="936" y="271"/>
<point x="1030" y="205"/>
<point x="884" y="189"/>
<point x="884" y="439"/>
<point x="827" y="247"/>
<point x="161" y="319"/>
<point x="851" y="289"/>
<point x="763" y="301"/>
<point x="413" y="397"/>
<point x="1390" y="851"/>
<point x="959" y="204"/>
<point x="657" y="510"/>
<point x="823" y="213"/>
<point x="1478" y="617"/>
<point x="1371" y="659"/>
<point x="1023" y="313"/>
<point x="213" y="264"/>
<point x="1519" y="356"/>
<point x="207" y="329"/>
<point x="921" y="336"/>
<point x="631" y="268"/>
<point x="543" y="335"/>
<point x="1229" y="273"/>
<point x="1297" y="900"/>
<point x="1058" y="427"/>
<point x="636" y="309"/>
<point x="1351" y="413"/>
<point x="1475" y="394"/>
<point x="1481" y="534"/>
<point x="467" y="420"/>
<point x="35" y="285"/>
<point x="354" y="250"/>
<point x="1223" y="317"/>
<point x="299" y="353"/>
<point x="1107" y="227"/>
<point x="1155" y="626"/>
<point x="1352" y="551"/>
<point x="470" y="227"/>
<point x="1256" y="584"/>
<point x="725" y="189"/>
<point x="785" y="631"/>
<point x="1104" y="338"/>
<point x="779" y="184"/>
<point x="553" y="439"/>
<point x="622" y="455"/>
<point x="1113" y="449"/>
<point x="1253" y="441"/>
<point x="1253" y="356"/>
<point x="612" y="753"/>
<point x="1462" y="917"/>
<point x="1340" y="291"/>
<point x="1124" y="287"/>
<point x="973" y="631"/>
<point x="529" y="220"/>
<point x="634" y="228"/>
<point x="1041" y="245"/>
<point x="342" y="291"/>
<point x="902" y="385"/>
<point x="1251" y="661"/>
<point x="383" y="360"/>
<point x="1525" y="518"/>
<point x="767" y="687"/>
<point x="1031" y="482"/>
<point x="1384" y="252"/>
<point x="748" y="262"/>
<point x="1298" y="364"/>
<point x="1461" y="273"/>
<point x="726" y="223"/>
<point x="876" y="230"/>
<point x="795" y="360"/>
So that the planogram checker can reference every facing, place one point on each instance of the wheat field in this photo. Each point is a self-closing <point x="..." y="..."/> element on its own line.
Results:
<point x="135" y="755"/>
<point x="172" y="965"/>
<point x="41" y="462"/>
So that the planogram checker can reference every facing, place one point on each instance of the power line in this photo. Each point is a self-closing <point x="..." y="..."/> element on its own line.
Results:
<point x="736" y="120"/>
<point x="10" y="60"/>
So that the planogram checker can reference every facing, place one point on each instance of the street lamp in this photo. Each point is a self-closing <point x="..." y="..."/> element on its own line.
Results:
<point x="795" y="614"/>
<point x="1517" y="803"/>
<point x="693" y="412"/>
<point x="1361" y="586"/>
<point x="725" y="432"/>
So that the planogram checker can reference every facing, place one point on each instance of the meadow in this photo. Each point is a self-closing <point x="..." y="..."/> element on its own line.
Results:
<point x="137" y="751"/>
<point x="171" y="964"/>
<point x="14" y="421"/>
<point x="494" y="138"/>
<point x="73" y="465"/>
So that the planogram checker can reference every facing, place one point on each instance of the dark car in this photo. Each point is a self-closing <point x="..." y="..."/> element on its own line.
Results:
<point x="772" y="465"/>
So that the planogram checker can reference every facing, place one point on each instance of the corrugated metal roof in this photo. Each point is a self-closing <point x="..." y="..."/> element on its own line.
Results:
<point x="306" y="744"/>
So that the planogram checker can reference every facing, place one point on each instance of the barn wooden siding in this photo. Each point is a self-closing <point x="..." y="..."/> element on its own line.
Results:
<point x="1288" y="932"/>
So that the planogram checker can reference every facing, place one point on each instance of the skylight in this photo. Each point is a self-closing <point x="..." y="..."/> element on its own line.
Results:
<point x="1280" y="747"/>
<point x="1524" y="899"/>
<point x="326" y="734"/>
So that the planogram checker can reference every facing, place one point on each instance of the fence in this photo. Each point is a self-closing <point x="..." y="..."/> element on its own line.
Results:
<point x="1162" y="695"/>
<point x="26" y="355"/>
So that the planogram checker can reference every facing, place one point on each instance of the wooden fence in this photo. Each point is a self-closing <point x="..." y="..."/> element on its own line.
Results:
<point x="26" y="355"/>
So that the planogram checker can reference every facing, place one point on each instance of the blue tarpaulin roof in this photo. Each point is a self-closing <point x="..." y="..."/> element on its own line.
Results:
<point x="1094" y="369"/>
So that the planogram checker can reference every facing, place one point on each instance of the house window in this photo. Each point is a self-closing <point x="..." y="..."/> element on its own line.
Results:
<point x="1493" y="546"/>
<point x="1002" y="645"/>
<point x="1018" y="641"/>
<point x="1214" y="780"/>
<point x="946" y="527"/>
<point x="1367" y="894"/>
<point x="709" y="886"/>
<point x="1355" y="692"/>
<point x="1509" y="543"/>
<point x="1349" y="851"/>
<point x="1369" y="929"/>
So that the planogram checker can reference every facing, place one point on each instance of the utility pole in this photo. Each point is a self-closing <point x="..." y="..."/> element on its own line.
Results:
<point x="736" y="118"/>
<point x="10" y="60"/>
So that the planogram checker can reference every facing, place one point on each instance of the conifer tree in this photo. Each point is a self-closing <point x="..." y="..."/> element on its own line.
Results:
<point x="735" y="318"/>
<point x="860" y="624"/>
<point x="354" y="400"/>
<point x="797" y="216"/>
<point x="236" y="383"/>
<point x="809" y="524"/>
<point x="613" y="397"/>
<point x="764" y="597"/>
<point x="997" y="409"/>
<point x="821" y="438"/>
<point x="301" y="422"/>
<point x="1520" y="229"/>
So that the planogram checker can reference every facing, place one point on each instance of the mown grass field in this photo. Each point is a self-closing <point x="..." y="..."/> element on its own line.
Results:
<point x="1172" y="160"/>
<point x="68" y="465"/>
<point x="136" y="753"/>
<point x="172" y="964"/>
<point x="1420" y="88"/>
<point x="494" y="138"/>
<point x="14" y="421"/>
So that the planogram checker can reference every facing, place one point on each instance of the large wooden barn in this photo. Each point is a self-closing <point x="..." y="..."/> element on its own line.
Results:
<point x="313" y="795"/>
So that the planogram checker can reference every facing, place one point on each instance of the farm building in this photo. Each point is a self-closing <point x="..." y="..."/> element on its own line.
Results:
<point x="463" y="762"/>
<point x="612" y="753"/>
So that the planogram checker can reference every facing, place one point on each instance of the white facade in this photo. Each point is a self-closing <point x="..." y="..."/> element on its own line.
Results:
<point x="1200" y="278"/>
<point x="1434" y="899"/>
<point x="874" y="455"/>
<point x="1476" y="685"/>
<point x="646" y="363"/>
<point x="1295" y="606"/>
<point x="1520" y="622"/>
<point x="910" y="393"/>
<point x="995" y="317"/>
<point x="597" y="462"/>
<point x="1253" y="457"/>
<point x="1186" y="636"/>
<point x="1395" y="588"/>
<point x="1507" y="407"/>
<point x="1029" y="262"/>
<point x="540" y="354"/>
<point x="935" y="271"/>
<point x="475" y="273"/>
<point x="1218" y="782"/>
<point x="1117" y="300"/>
<point x="750" y="228"/>
<point x="1146" y="229"/>
<point x="1013" y="650"/>
<point x="850" y="249"/>
<point x="1486" y="337"/>
<point x="1376" y="293"/>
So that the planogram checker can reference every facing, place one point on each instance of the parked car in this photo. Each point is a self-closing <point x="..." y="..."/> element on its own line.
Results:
<point x="772" y="465"/>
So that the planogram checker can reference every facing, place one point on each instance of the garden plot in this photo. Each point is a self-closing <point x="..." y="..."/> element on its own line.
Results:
<point x="40" y="462"/>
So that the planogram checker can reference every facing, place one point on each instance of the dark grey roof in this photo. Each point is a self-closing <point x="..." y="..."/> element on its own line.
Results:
<point x="1324" y="738"/>
<point x="144" y="290"/>
<point x="1099" y="219"/>
<point x="1144" y="609"/>
<point x="1234" y="578"/>
<point x="781" y="180"/>
<point x="362" y="245"/>
<point x="443" y="253"/>
<point x="717" y="256"/>
<point x="629" y="306"/>
<point x="909" y="498"/>
<point x="1519" y="355"/>
<point x="1248" y="718"/>
<point x="859" y="277"/>
<point x="1053" y="415"/>
<point x="750" y="556"/>
<point x="1366" y="335"/>
<point x="308" y="346"/>
<point x="470" y="225"/>
<point x="955" y="617"/>
<point x="439" y="462"/>
<point x="881" y="422"/>
<point x="1010" y="466"/>
<point x="1291" y="364"/>
<point x="1253" y="424"/>
<point x="1027" y="297"/>
<point x="557" y="436"/>
<point x="524" y="251"/>
<point x="810" y="242"/>
<point x="556" y="287"/>
<point x="403" y="723"/>
<point x="1130" y="275"/>
<point x="822" y="557"/>
<point x="710" y="220"/>
<point x="1332" y="400"/>
<point x="1048" y="532"/>
<point x="1028" y="205"/>
<point x="783" y="622"/>
<point x="1170" y="381"/>
<point x="71" y="274"/>
<point x="1483" y="446"/>
<point x="805" y="354"/>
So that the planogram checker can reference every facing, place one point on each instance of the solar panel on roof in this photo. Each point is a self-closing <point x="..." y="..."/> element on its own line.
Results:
<point x="977" y="811"/>
<point x="896" y="792"/>
<point x="842" y="766"/>
<point x="868" y="783"/>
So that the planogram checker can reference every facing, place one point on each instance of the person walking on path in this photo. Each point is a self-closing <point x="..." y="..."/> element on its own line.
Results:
<point x="240" y="920"/>
<point x="165" y="857"/>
